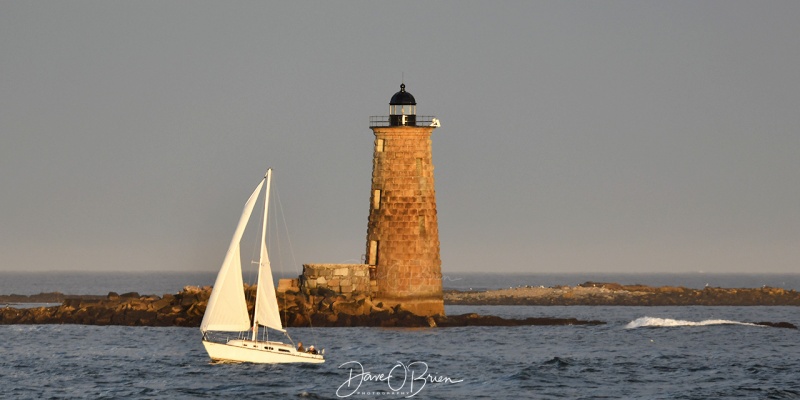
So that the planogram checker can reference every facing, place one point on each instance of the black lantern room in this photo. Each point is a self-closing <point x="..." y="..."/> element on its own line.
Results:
<point x="402" y="108"/>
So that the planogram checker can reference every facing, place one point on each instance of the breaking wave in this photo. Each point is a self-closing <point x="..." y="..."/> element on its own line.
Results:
<point x="668" y="322"/>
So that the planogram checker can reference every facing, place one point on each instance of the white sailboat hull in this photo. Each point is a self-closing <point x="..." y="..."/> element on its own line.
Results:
<point x="258" y="352"/>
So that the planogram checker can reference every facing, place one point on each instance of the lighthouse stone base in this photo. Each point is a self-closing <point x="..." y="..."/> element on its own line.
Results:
<point x="352" y="283"/>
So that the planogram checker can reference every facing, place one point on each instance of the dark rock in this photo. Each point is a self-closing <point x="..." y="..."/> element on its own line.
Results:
<point x="188" y="299"/>
<point x="161" y="304"/>
<point x="140" y="318"/>
<point x="73" y="303"/>
<point x="322" y="292"/>
<point x="349" y="307"/>
<point x="165" y="319"/>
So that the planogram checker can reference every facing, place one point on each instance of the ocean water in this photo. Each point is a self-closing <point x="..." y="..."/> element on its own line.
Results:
<point x="642" y="352"/>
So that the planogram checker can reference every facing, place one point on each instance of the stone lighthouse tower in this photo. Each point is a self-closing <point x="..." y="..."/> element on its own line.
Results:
<point x="403" y="230"/>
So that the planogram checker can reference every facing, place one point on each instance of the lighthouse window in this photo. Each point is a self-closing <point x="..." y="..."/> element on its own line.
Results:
<point x="373" y="252"/>
<point x="379" y="146"/>
<point x="402" y="109"/>
<point x="376" y="199"/>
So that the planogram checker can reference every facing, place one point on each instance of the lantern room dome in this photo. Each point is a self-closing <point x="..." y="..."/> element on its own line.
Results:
<point x="402" y="97"/>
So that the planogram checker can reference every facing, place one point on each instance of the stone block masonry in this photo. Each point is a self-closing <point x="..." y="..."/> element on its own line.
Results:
<point x="346" y="279"/>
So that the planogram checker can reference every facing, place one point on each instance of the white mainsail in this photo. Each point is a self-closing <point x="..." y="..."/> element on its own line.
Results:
<point x="227" y="308"/>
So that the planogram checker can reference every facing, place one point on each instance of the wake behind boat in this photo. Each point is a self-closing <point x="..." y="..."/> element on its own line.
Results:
<point x="226" y="323"/>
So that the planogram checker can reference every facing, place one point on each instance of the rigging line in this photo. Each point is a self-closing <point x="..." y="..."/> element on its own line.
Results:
<point x="294" y="262"/>
<point x="279" y="209"/>
<point x="276" y="226"/>
<point x="288" y="237"/>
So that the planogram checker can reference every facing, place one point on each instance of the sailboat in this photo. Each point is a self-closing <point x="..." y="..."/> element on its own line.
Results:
<point x="227" y="312"/>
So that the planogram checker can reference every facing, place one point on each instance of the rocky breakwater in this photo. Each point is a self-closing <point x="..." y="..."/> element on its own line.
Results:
<point x="614" y="294"/>
<point x="322" y="308"/>
<point x="327" y="308"/>
<point x="183" y="309"/>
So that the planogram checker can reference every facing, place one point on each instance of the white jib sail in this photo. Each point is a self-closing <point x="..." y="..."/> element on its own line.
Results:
<point x="266" y="311"/>
<point x="227" y="308"/>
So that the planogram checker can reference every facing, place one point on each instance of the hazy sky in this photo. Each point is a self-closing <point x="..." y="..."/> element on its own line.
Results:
<point x="602" y="136"/>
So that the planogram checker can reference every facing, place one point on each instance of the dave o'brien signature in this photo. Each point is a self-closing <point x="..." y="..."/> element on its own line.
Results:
<point x="414" y="373"/>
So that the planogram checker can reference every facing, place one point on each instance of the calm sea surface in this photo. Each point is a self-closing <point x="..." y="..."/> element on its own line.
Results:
<point x="642" y="352"/>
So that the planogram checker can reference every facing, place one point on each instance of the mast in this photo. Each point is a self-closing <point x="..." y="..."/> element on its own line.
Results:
<point x="263" y="255"/>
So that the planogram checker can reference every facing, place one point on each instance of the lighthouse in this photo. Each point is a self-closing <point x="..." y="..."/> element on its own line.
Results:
<point x="402" y="249"/>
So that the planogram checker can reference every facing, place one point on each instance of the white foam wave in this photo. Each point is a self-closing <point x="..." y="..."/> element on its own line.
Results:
<point x="668" y="322"/>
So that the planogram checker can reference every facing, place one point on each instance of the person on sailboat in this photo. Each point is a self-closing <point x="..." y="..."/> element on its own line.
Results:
<point x="312" y="350"/>
<point x="300" y="347"/>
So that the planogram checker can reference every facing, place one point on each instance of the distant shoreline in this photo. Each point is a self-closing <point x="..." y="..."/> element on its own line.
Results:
<point x="585" y="294"/>
<point x="91" y="283"/>
<point x="50" y="297"/>
<point x="614" y="294"/>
